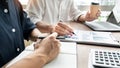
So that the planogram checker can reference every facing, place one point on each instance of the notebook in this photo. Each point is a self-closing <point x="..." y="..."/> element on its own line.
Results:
<point x="112" y="23"/>
<point x="92" y="37"/>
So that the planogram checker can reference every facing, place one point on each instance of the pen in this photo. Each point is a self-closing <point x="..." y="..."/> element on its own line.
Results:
<point x="58" y="37"/>
<point x="73" y="33"/>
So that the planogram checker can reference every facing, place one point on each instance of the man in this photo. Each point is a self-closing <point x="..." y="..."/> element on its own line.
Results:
<point x="46" y="13"/>
<point x="14" y="28"/>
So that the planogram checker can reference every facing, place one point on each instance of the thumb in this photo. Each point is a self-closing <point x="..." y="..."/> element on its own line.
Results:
<point x="53" y="35"/>
<point x="88" y="14"/>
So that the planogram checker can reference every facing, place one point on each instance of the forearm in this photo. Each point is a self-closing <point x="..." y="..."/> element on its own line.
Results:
<point x="34" y="60"/>
<point x="43" y="27"/>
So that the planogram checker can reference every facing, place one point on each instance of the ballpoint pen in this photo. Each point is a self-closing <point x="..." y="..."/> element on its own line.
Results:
<point x="58" y="37"/>
<point x="73" y="33"/>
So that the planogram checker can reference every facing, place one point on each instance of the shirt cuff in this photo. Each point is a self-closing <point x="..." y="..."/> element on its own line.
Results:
<point x="35" y="20"/>
<point x="77" y="16"/>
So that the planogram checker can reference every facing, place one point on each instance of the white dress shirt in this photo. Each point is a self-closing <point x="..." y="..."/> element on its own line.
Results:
<point x="52" y="11"/>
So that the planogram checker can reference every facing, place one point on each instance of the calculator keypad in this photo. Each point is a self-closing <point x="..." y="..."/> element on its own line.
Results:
<point x="106" y="58"/>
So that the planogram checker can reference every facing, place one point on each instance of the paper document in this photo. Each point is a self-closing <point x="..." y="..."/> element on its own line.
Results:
<point x="92" y="37"/>
<point x="63" y="61"/>
<point x="66" y="47"/>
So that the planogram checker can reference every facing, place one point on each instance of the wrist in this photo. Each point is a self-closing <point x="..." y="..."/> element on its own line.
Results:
<point x="51" y="28"/>
<point x="43" y="57"/>
<point x="81" y="18"/>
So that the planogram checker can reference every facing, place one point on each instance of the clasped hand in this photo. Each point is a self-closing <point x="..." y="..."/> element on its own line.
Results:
<point x="48" y="47"/>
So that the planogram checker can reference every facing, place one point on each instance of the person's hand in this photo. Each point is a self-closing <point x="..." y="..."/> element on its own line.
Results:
<point x="48" y="47"/>
<point x="87" y="16"/>
<point x="63" y="29"/>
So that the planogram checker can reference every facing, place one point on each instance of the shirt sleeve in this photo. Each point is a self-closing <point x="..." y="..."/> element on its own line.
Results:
<point x="74" y="11"/>
<point x="35" y="10"/>
<point x="27" y="25"/>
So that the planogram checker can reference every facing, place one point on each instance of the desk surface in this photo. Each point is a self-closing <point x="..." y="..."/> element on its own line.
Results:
<point x="84" y="50"/>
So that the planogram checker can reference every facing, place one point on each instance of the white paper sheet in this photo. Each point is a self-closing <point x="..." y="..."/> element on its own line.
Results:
<point x="66" y="47"/>
<point x="93" y="37"/>
<point x="63" y="61"/>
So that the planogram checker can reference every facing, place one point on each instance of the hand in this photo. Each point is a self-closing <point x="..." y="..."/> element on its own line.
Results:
<point x="48" y="47"/>
<point x="63" y="29"/>
<point x="34" y="34"/>
<point x="87" y="16"/>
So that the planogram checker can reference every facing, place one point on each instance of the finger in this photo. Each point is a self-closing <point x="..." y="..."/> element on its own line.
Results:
<point x="61" y="30"/>
<point x="53" y="35"/>
<point x="88" y="14"/>
<point x="98" y="13"/>
<point x="56" y="46"/>
<point x="99" y="10"/>
<point x="57" y="43"/>
<point x="36" y="45"/>
<point x="65" y="26"/>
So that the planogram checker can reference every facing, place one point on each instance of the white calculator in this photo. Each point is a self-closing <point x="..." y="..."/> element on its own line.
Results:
<point x="105" y="58"/>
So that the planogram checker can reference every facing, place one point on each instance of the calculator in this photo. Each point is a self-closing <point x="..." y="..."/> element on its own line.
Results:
<point x="105" y="58"/>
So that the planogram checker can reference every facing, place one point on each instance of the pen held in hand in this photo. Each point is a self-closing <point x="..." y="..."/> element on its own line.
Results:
<point x="59" y="37"/>
<point x="73" y="33"/>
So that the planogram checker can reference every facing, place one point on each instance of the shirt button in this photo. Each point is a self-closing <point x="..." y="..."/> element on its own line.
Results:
<point x="5" y="10"/>
<point x="13" y="30"/>
<point x="18" y="49"/>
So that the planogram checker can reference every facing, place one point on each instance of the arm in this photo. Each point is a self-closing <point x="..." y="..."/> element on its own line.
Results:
<point x="60" y="28"/>
<point x="43" y="54"/>
<point x="45" y="28"/>
<point x="34" y="34"/>
<point x="35" y="10"/>
<point x="87" y="17"/>
<point x="77" y="15"/>
<point x="35" y="60"/>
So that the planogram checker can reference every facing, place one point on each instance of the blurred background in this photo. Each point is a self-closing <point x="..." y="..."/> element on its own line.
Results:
<point x="106" y="5"/>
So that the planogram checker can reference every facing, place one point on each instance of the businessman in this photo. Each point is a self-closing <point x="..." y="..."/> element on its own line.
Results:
<point x="47" y="13"/>
<point x="14" y="28"/>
